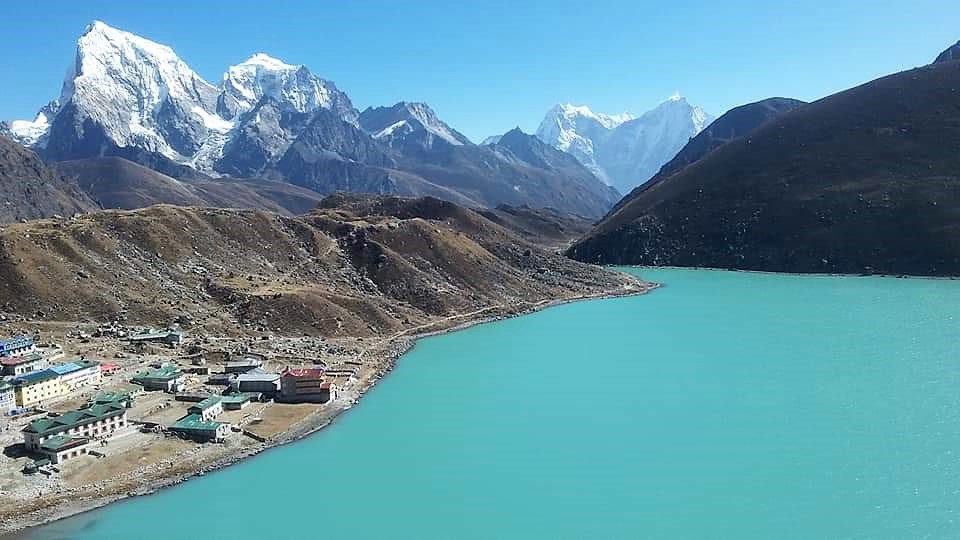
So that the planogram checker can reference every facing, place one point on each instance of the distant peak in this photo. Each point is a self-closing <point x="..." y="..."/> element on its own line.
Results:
<point x="571" y="109"/>
<point x="609" y="121"/>
<point x="104" y="41"/>
<point x="98" y="26"/>
<point x="101" y="28"/>
<point x="676" y="96"/>
<point x="268" y="62"/>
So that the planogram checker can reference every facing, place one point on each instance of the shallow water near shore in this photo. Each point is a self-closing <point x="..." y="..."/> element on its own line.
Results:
<point x="724" y="404"/>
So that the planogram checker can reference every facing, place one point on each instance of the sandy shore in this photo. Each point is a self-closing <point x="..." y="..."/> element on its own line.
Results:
<point x="382" y="355"/>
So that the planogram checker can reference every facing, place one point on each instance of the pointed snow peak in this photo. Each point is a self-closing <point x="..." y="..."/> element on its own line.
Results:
<point x="101" y="38"/>
<point x="418" y="110"/>
<point x="405" y="117"/>
<point x="139" y="92"/>
<point x="106" y="54"/>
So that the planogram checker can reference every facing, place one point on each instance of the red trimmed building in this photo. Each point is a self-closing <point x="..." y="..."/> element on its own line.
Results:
<point x="299" y="385"/>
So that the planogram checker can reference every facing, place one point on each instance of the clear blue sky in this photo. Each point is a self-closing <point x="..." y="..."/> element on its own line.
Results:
<point x="487" y="66"/>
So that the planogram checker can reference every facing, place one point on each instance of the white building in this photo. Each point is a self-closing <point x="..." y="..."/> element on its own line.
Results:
<point x="258" y="381"/>
<point x="8" y="398"/>
<point x="78" y="374"/>
<point x="17" y="346"/>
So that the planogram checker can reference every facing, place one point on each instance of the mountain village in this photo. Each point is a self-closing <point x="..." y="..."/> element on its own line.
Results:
<point x="119" y="391"/>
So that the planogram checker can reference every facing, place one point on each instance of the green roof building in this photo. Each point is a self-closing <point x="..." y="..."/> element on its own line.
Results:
<point x="207" y="409"/>
<point x="168" y="378"/>
<point x="195" y="427"/>
<point x="94" y="422"/>
<point x="63" y="447"/>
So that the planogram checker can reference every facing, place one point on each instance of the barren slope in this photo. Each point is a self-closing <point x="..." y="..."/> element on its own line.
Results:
<point x="29" y="189"/>
<point x="355" y="266"/>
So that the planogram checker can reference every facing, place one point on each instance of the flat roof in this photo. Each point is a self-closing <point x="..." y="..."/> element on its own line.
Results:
<point x="207" y="403"/>
<point x="258" y="375"/>
<point x="169" y="371"/>
<point x="16" y="341"/>
<point x="244" y="362"/>
<point x="238" y="398"/>
<point x="154" y="335"/>
<point x="193" y="422"/>
<point x="70" y="367"/>
<point x="63" y="442"/>
<point x="17" y="360"/>
<point x="36" y="377"/>
<point x="316" y="371"/>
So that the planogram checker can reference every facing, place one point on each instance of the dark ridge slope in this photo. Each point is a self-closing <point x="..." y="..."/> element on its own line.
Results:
<point x="29" y="189"/>
<point x="862" y="181"/>
<point x="118" y="183"/>
<point x="733" y="124"/>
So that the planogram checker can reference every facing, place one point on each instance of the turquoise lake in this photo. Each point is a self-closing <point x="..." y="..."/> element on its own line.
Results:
<point x="723" y="405"/>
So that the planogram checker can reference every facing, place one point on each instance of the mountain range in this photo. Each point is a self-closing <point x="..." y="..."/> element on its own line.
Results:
<point x="127" y="97"/>
<point x="863" y="181"/>
<point x="623" y="150"/>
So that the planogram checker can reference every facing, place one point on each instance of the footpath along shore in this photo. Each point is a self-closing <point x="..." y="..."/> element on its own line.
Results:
<point x="378" y="358"/>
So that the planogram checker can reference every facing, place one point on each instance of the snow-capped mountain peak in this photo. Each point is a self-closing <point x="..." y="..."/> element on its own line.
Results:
<point x="124" y="93"/>
<point x="139" y="93"/>
<point x="609" y="121"/>
<point x="293" y="85"/>
<point x="399" y="123"/>
<point x="269" y="62"/>
<point x="33" y="133"/>
<point x="149" y="69"/>
<point x="621" y="149"/>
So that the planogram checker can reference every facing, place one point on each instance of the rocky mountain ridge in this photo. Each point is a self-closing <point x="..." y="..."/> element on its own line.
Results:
<point x="126" y="96"/>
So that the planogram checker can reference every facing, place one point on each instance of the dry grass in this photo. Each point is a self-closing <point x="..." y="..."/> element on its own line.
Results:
<point x="280" y="417"/>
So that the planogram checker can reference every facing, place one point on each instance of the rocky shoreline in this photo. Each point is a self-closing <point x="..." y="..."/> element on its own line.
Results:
<point x="389" y="351"/>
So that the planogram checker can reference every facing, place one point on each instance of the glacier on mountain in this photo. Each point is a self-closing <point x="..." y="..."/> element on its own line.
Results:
<point x="125" y="91"/>
<point x="623" y="150"/>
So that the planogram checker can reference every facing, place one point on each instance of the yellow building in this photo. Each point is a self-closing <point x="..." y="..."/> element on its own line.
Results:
<point x="35" y="388"/>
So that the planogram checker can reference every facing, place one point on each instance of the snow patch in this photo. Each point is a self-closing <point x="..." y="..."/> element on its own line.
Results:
<point x="212" y="121"/>
<point x="29" y="133"/>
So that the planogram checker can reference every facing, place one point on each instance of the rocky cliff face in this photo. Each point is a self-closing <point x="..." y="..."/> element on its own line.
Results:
<point x="30" y="190"/>
<point x="409" y="127"/>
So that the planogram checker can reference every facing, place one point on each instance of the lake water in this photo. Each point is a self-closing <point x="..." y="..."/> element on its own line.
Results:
<point x="733" y="405"/>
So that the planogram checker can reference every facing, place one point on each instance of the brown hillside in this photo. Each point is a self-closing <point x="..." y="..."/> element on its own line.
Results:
<point x="356" y="266"/>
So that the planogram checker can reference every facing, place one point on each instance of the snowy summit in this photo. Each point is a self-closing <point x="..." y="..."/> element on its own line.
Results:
<point x="621" y="149"/>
